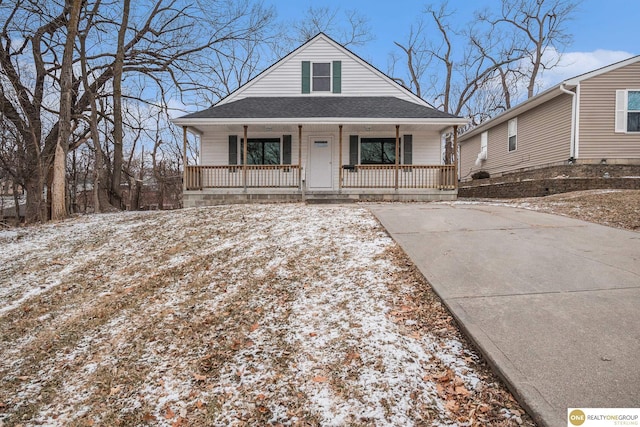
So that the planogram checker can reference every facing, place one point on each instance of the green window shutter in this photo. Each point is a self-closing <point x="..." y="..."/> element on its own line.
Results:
<point x="242" y="151"/>
<point x="337" y="76"/>
<point x="408" y="149"/>
<point x="233" y="149"/>
<point x="306" y="77"/>
<point x="286" y="149"/>
<point x="353" y="149"/>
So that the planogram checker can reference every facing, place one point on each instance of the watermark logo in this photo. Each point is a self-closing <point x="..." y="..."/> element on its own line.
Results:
<point x="603" y="417"/>
<point x="577" y="417"/>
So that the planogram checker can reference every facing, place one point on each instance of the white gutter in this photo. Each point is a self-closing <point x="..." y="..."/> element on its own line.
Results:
<point x="572" y="150"/>
<point x="319" y="120"/>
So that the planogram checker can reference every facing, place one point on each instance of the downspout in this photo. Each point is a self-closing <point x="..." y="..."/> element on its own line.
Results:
<point x="572" y="150"/>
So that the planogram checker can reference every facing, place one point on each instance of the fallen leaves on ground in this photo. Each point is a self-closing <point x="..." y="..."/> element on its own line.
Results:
<point x="286" y="315"/>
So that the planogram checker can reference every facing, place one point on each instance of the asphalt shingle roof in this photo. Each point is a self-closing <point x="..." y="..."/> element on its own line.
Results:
<point x="319" y="107"/>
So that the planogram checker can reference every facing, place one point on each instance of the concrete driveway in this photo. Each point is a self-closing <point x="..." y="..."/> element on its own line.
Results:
<point x="552" y="303"/>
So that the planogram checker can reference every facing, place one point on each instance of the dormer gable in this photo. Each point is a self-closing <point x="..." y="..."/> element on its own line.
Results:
<point x="322" y="67"/>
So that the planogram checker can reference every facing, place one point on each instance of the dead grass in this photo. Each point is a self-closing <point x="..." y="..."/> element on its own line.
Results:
<point x="236" y="315"/>
<point x="614" y="208"/>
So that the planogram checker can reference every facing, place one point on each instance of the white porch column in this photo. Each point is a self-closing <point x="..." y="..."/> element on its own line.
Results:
<point x="397" y="153"/>
<point x="184" y="158"/>
<point x="244" y="160"/>
<point x="340" y="158"/>
<point x="300" y="156"/>
<point x="455" y="157"/>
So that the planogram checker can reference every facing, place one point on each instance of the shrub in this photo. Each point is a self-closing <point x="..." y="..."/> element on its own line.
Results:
<point x="480" y="175"/>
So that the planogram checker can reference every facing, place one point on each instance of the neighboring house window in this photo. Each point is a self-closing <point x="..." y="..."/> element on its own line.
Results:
<point x="633" y="111"/>
<point x="377" y="151"/>
<point x="513" y="134"/>
<point x="321" y="77"/>
<point x="484" y="139"/>
<point x="627" y="111"/>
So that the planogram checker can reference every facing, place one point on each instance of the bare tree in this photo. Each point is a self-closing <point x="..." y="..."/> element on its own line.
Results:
<point x="460" y="62"/>
<point x="58" y="187"/>
<point x="349" y="28"/>
<point x="118" y="65"/>
<point x="478" y="69"/>
<point x="167" y="44"/>
<point x="539" y="26"/>
<point x="417" y="58"/>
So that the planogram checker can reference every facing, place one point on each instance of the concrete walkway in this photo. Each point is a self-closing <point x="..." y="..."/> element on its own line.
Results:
<point x="552" y="303"/>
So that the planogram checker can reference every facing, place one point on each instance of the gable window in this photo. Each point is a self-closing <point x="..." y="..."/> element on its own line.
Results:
<point x="377" y="151"/>
<point x="627" y="111"/>
<point x="513" y="134"/>
<point x="321" y="77"/>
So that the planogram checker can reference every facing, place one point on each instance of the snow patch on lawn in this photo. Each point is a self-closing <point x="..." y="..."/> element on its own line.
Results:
<point x="114" y="305"/>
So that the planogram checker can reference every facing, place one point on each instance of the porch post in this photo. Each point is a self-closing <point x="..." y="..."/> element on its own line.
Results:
<point x="184" y="158"/>
<point x="300" y="156"/>
<point x="455" y="157"/>
<point x="244" y="162"/>
<point x="340" y="158"/>
<point x="397" y="151"/>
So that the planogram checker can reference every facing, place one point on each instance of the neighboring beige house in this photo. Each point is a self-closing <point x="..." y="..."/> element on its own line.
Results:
<point x="320" y="123"/>
<point x="591" y="118"/>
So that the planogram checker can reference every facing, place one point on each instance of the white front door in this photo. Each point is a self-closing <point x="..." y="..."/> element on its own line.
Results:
<point x="319" y="176"/>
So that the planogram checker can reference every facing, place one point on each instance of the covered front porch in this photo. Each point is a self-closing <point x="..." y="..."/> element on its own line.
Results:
<point x="355" y="161"/>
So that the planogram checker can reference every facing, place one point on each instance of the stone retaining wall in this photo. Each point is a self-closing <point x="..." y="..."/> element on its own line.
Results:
<point x="553" y="180"/>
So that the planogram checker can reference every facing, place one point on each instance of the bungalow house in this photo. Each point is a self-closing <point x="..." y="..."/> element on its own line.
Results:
<point x="319" y="123"/>
<point x="590" y="119"/>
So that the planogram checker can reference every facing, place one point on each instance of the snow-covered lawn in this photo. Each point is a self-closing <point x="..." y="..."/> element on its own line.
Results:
<point x="235" y="315"/>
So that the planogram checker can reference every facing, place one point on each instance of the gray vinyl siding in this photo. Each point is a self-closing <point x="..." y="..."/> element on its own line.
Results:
<point x="543" y="137"/>
<point x="597" y="139"/>
<point x="468" y="154"/>
<point x="285" y="78"/>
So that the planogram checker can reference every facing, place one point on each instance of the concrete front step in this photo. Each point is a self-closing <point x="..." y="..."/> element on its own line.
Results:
<point x="317" y="199"/>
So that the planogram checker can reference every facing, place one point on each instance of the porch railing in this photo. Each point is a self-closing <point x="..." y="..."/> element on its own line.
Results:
<point x="408" y="176"/>
<point x="288" y="176"/>
<point x="263" y="176"/>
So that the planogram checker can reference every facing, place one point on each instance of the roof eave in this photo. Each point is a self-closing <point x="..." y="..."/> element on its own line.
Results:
<point x="515" y="111"/>
<point x="445" y="121"/>
<point x="574" y="81"/>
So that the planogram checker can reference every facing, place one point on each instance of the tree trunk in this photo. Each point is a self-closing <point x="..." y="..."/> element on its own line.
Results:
<point x="118" y="157"/>
<point x="33" y="187"/>
<point x="16" y="199"/>
<point x="161" y="196"/>
<point x="58" y="187"/>
<point x="58" y="193"/>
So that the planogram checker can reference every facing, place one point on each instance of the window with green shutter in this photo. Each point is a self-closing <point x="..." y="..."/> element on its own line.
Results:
<point x="408" y="149"/>
<point x="286" y="149"/>
<point x="353" y="150"/>
<point x="322" y="77"/>
<point x="337" y="76"/>
<point x="306" y="77"/>
<point x="233" y="149"/>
